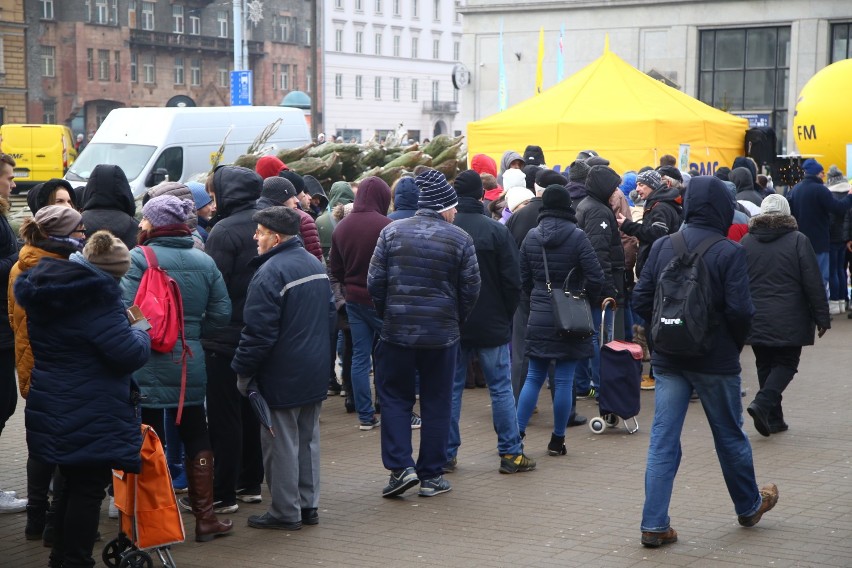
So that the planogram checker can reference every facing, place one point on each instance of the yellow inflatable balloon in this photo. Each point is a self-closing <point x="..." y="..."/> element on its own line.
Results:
<point x="822" y="123"/>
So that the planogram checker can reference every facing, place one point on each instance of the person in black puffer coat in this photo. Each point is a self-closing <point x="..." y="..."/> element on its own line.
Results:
<point x="567" y="248"/>
<point x="786" y="314"/>
<point x="108" y="203"/>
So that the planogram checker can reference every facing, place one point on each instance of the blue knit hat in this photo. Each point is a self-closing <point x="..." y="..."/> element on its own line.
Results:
<point x="435" y="192"/>
<point x="199" y="194"/>
<point x="811" y="167"/>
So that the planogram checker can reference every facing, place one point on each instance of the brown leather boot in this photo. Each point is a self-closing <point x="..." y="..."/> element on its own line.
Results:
<point x="199" y="474"/>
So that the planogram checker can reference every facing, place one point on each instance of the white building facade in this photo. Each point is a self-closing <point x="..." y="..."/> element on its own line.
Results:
<point x="749" y="58"/>
<point x="388" y="66"/>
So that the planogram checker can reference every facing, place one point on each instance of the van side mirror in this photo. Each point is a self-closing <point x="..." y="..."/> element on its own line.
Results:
<point x="156" y="177"/>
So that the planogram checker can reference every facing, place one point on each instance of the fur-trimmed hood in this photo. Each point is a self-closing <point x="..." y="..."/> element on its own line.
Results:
<point x="766" y="228"/>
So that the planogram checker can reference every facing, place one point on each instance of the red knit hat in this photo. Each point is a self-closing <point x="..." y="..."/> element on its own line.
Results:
<point x="269" y="166"/>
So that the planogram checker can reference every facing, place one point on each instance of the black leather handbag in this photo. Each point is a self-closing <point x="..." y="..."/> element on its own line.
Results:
<point x="572" y="314"/>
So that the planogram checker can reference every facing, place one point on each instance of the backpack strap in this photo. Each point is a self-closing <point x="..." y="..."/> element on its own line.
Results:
<point x="679" y="244"/>
<point x="150" y="256"/>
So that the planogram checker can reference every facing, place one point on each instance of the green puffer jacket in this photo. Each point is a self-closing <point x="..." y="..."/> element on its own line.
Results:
<point x="205" y="304"/>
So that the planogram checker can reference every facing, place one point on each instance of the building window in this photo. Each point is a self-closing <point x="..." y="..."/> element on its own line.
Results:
<point x="415" y="41"/>
<point x="103" y="65"/>
<point x="46" y="9"/>
<point x="308" y="79"/>
<point x="149" y="71"/>
<point x="224" y="75"/>
<point x="274" y="76"/>
<point x="436" y="49"/>
<point x="177" y="19"/>
<point x="396" y="42"/>
<point x="359" y="5"/>
<point x="222" y="23"/>
<point x="436" y="13"/>
<point x="378" y="6"/>
<point x="49" y="112"/>
<point x="338" y="85"/>
<point x="48" y="61"/>
<point x="194" y="25"/>
<point x="179" y="71"/>
<point x="415" y="9"/>
<point x="378" y="88"/>
<point x="841" y="42"/>
<point x="435" y="91"/>
<point x="378" y="44"/>
<point x="396" y="88"/>
<point x="131" y="14"/>
<point x="359" y="42"/>
<point x="414" y="90"/>
<point x="396" y="7"/>
<point x="359" y="83"/>
<point x="195" y="71"/>
<point x="90" y="64"/>
<point x="134" y="72"/>
<point x="113" y="12"/>
<point x="308" y="36"/>
<point x="338" y="40"/>
<point x="338" y="4"/>
<point x="101" y="12"/>
<point x="747" y="69"/>
<point x="294" y="77"/>
<point x="147" y="15"/>
<point x="285" y="78"/>
<point x="117" y="66"/>
<point x="456" y="50"/>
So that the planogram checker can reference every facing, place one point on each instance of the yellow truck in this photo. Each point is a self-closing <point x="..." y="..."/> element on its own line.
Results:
<point x="41" y="151"/>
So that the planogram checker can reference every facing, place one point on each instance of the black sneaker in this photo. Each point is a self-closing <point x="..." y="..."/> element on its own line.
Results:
<point x="434" y="486"/>
<point x="310" y="516"/>
<point x="334" y="387"/>
<point x="267" y="521"/>
<point x="450" y="466"/>
<point x="400" y="481"/>
<point x="367" y="426"/>
<point x="514" y="463"/>
<point x="249" y="495"/>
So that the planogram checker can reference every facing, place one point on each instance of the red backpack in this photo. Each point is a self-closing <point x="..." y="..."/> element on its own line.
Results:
<point x="160" y="301"/>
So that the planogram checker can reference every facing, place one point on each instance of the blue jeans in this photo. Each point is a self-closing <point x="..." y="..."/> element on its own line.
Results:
<point x="365" y="326"/>
<point x="563" y="392"/>
<point x="588" y="371"/>
<point x="824" y="263"/>
<point x="837" y="271"/>
<point x="720" y="398"/>
<point x="495" y="366"/>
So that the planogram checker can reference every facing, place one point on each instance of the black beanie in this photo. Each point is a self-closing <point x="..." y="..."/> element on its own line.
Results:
<point x="723" y="173"/>
<point x="530" y="171"/>
<point x="545" y="178"/>
<point x="578" y="171"/>
<point x="670" y="171"/>
<point x="279" y="219"/>
<point x="556" y="197"/>
<point x="468" y="184"/>
<point x="602" y="180"/>
<point x="597" y="161"/>
<point x="295" y="179"/>
<point x="278" y="189"/>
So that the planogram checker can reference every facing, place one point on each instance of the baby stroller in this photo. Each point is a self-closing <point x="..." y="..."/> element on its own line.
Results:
<point x="148" y="513"/>
<point x="621" y="375"/>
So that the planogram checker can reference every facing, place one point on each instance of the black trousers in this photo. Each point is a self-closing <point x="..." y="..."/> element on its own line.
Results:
<point x="192" y="428"/>
<point x="776" y="367"/>
<point x="8" y="386"/>
<point x="77" y="514"/>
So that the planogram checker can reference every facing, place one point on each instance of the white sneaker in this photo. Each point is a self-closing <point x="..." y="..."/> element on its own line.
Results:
<point x="11" y="504"/>
<point x="113" y="510"/>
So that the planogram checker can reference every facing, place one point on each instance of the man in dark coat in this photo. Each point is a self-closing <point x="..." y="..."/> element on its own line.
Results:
<point x="715" y="376"/>
<point x="352" y="244"/>
<point x="234" y="431"/>
<point x="487" y="331"/>
<point x="424" y="282"/>
<point x="289" y="304"/>
<point x="596" y="219"/>
<point x="108" y="204"/>
<point x="785" y="314"/>
<point x="279" y="191"/>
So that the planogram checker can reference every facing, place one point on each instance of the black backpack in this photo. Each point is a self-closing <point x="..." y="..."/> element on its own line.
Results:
<point x="683" y="319"/>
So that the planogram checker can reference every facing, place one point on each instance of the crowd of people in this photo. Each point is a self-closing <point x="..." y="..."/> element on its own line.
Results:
<point x="429" y="287"/>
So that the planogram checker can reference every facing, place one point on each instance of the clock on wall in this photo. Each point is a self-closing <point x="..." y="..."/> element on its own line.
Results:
<point x="461" y="76"/>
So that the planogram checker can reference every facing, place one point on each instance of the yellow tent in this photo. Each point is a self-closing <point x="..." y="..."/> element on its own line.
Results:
<point x="616" y="110"/>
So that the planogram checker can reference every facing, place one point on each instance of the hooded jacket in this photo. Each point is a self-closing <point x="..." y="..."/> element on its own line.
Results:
<point x="709" y="209"/>
<point x="405" y="198"/>
<point x="661" y="217"/>
<point x="340" y="193"/>
<point x="577" y="191"/>
<point x="37" y="196"/>
<point x="108" y="204"/>
<point x="231" y="245"/>
<point x="567" y="248"/>
<point x="812" y="205"/>
<point x="490" y="322"/>
<point x="354" y="240"/>
<point x="596" y="219"/>
<point x="741" y="177"/>
<point x="508" y="157"/>
<point x="81" y="408"/>
<point x="785" y="315"/>
<point x="288" y="310"/>
<point x="483" y="164"/>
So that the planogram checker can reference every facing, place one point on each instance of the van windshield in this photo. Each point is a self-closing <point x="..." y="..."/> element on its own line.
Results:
<point x="131" y="158"/>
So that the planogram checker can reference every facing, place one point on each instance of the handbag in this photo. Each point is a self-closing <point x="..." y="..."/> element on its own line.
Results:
<point x="572" y="314"/>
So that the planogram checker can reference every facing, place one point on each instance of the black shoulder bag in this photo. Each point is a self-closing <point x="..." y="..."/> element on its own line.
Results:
<point x="572" y="315"/>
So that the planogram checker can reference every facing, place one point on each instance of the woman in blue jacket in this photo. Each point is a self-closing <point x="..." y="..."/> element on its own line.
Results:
<point x="82" y="410"/>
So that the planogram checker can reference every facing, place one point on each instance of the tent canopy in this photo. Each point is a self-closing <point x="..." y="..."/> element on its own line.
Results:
<point x="621" y="113"/>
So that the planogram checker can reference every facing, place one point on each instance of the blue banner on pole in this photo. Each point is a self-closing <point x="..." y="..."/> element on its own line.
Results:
<point x="241" y="88"/>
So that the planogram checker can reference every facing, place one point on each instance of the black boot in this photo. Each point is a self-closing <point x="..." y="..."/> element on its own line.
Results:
<point x="575" y="419"/>
<point x="47" y="534"/>
<point x="35" y="521"/>
<point x="556" y="447"/>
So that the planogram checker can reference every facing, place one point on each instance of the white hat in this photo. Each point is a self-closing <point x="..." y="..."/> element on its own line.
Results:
<point x="514" y="178"/>
<point x="516" y="196"/>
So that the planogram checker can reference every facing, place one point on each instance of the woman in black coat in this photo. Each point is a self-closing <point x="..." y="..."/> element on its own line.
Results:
<point x="789" y="299"/>
<point x="567" y="247"/>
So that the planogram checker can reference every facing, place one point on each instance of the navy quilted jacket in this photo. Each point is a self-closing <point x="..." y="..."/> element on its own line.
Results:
<point x="424" y="281"/>
<point x="80" y="409"/>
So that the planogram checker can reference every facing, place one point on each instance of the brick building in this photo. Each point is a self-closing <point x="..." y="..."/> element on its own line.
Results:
<point x="13" y="80"/>
<point x="88" y="57"/>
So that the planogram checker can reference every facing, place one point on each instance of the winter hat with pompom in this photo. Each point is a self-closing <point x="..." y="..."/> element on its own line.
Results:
<point x="106" y="251"/>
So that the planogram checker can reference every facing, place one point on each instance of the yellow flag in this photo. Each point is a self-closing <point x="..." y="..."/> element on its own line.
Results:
<point x="539" y="70"/>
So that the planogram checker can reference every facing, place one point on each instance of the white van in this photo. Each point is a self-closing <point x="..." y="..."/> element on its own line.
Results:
<point x="150" y="143"/>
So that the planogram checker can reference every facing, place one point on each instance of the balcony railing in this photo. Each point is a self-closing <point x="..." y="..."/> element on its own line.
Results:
<point x="440" y="107"/>
<point x="205" y="43"/>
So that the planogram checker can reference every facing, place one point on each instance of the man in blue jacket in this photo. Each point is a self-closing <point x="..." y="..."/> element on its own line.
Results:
<point x="709" y="208"/>
<point x="288" y="306"/>
<point x="424" y="281"/>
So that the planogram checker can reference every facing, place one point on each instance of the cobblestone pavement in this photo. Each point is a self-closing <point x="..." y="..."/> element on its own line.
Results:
<point x="582" y="509"/>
